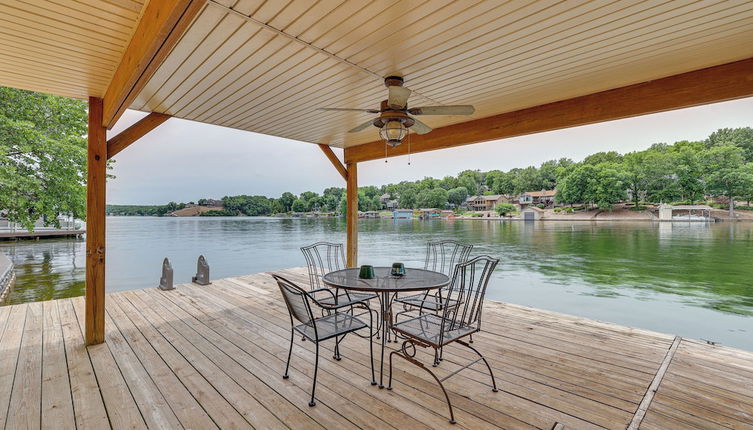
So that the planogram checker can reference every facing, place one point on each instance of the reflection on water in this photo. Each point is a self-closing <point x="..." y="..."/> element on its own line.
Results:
<point x="691" y="279"/>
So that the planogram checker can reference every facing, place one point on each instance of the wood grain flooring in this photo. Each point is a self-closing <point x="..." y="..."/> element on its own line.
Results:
<point x="212" y="357"/>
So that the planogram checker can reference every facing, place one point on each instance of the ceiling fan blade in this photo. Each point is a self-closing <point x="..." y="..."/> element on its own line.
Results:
<point x="443" y="110"/>
<point x="398" y="97"/>
<point x="349" y="110"/>
<point x="420" y="127"/>
<point x="362" y="127"/>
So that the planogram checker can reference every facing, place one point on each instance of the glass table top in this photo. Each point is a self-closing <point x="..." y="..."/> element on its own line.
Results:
<point x="413" y="280"/>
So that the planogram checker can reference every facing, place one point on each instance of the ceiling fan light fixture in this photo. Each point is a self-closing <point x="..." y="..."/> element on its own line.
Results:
<point x="393" y="132"/>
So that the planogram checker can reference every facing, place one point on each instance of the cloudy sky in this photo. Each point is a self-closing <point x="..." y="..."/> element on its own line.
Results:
<point x="185" y="161"/>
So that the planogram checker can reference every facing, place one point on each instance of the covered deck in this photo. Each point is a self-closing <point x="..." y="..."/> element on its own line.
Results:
<point x="204" y="357"/>
<point x="212" y="356"/>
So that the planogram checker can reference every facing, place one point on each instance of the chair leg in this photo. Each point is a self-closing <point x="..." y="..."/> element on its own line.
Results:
<point x="421" y="365"/>
<point x="375" y="315"/>
<point x="290" y="352"/>
<point x="371" y="352"/>
<point x="316" y="370"/>
<point x="337" y="348"/>
<point x="494" y="382"/>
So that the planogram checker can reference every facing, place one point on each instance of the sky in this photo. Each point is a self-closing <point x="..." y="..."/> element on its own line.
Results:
<point x="184" y="161"/>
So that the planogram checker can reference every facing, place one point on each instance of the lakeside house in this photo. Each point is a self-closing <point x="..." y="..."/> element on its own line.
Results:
<point x="545" y="197"/>
<point x="387" y="202"/>
<point x="484" y="203"/>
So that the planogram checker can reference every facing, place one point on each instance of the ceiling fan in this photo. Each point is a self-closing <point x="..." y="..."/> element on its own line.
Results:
<point x="395" y="118"/>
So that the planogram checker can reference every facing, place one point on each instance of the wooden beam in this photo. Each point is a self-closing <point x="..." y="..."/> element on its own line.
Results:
<point x="351" y="216"/>
<point x="334" y="160"/>
<point x="161" y="25"/>
<point x="95" y="225"/>
<point x="134" y="132"/>
<point x="714" y="84"/>
<point x="640" y="413"/>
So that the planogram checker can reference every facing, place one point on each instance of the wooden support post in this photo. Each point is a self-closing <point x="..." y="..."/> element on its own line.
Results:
<point x="161" y="25"/>
<point x="351" y="216"/>
<point x="95" y="225"/>
<point x="134" y="133"/>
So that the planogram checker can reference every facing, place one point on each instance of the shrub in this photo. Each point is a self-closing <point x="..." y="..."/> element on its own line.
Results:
<point x="505" y="208"/>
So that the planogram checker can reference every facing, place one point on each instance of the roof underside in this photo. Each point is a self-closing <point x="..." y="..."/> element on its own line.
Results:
<point x="65" y="47"/>
<point x="266" y="66"/>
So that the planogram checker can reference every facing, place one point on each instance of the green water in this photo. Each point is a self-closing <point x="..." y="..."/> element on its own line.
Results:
<point x="691" y="279"/>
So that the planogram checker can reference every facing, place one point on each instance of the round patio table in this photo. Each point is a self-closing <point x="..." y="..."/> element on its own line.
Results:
<point x="386" y="285"/>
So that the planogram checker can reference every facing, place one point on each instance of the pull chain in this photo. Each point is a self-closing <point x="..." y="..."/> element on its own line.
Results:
<point x="409" y="147"/>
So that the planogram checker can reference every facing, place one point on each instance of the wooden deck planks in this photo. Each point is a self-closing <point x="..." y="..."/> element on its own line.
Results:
<point x="212" y="356"/>
<point x="57" y="402"/>
<point x="26" y="397"/>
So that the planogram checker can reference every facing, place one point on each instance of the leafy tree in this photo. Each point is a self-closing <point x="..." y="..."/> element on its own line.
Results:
<point x="548" y="174"/>
<point x="370" y="191"/>
<point x="336" y="192"/>
<point x="608" y="186"/>
<point x="276" y="207"/>
<point x="635" y="175"/>
<point x="740" y="137"/>
<point x="42" y="156"/>
<point x="308" y="195"/>
<point x="408" y="197"/>
<point x="505" y="208"/>
<point x="603" y="157"/>
<point x="528" y="179"/>
<point x="247" y="205"/>
<point x="299" y="205"/>
<point x="435" y="198"/>
<point x="471" y="180"/>
<point x="689" y="174"/>
<point x="725" y="174"/>
<point x="661" y="181"/>
<point x="449" y="182"/>
<point x="579" y="186"/>
<point x="286" y="201"/>
<point x="457" y="195"/>
<point x="746" y="188"/>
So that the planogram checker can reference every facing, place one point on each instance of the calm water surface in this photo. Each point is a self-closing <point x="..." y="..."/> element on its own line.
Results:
<point x="688" y="279"/>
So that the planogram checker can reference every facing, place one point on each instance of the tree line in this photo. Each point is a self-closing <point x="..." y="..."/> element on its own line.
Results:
<point x="43" y="172"/>
<point x="720" y="166"/>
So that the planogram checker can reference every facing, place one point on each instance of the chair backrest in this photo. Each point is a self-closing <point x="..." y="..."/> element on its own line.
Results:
<point x="322" y="258"/>
<point x="297" y="301"/>
<point x="442" y="256"/>
<point x="468" y="287"/>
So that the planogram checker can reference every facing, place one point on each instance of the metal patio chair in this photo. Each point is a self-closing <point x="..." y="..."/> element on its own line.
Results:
<point x="453" y="324"/>
<point x="317" y="329"/>
<point x="325" y="257"/>
<point x="441" y="256"/>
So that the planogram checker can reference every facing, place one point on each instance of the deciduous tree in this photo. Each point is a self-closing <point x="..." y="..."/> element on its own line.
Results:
<point x="42" y="156"/>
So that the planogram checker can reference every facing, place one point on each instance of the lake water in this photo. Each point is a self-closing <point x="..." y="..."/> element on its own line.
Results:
<point x="690" y="279"/>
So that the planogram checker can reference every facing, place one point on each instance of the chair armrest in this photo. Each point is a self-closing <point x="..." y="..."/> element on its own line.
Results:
<point x="319" y="290"/>
<point x="342" y="305"/>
